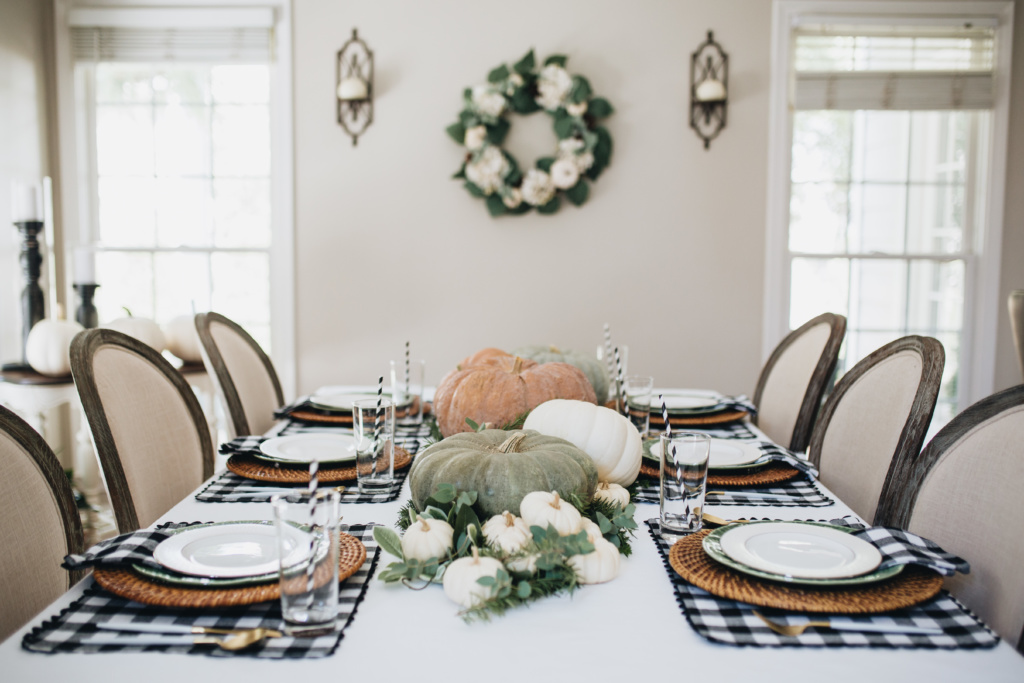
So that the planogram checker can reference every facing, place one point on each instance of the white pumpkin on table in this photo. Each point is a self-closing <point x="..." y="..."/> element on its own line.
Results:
<point x="612" y="493"/>
<point x="143" y="329"/>
<point x="183" y="339"/>
<point x="48" y="348"/>
<point x="425" y="539"/>
<point x="543" y="508"/>
<point x="610" y="439"/>
<point x="460" y="578"/>
<point x="507" y="532"/>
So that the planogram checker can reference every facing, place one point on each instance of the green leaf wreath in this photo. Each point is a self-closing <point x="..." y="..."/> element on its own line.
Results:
<point x="584" y="147"/>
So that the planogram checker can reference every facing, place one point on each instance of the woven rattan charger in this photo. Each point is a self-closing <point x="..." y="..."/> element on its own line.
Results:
<point x="251" y="467"/>
<point x="127" y="584"/>
<point x="774" y="473"/>
<point x="909" y="587"/>
<point x="308" y="413"/>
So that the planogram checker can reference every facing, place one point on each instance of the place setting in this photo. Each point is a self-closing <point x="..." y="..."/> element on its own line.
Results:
<point x="274" y="589"/>
<point x="701" y="407"/>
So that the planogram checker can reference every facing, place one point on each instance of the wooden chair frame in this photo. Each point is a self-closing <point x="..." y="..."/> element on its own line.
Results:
<point x="55" y="478"/>
<point x="216" y="365"/>
<point x="897" y="509"/>
<point x="821" y="378"/>
<point x="83" y="348"/>
<point x="933" y="360"/>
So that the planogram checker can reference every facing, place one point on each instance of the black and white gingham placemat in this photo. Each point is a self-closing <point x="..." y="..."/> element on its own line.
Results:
<point x="74" y="628"/>
<point x="135" y="547"/>
<point x="728" y="621"/>
<point x="902" y="547"/>
<point x="409" y="438"/>
<point x="798" y="492"/>
<point x="228" y="487"/>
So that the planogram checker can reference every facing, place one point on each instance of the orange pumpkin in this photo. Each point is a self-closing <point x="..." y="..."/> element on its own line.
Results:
<point x="495" y="388"/>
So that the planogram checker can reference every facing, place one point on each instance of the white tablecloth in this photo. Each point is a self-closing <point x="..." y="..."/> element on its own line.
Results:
<point x="629" y="629"/>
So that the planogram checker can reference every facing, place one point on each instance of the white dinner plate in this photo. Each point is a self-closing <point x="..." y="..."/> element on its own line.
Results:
<point x="343" y="400"/>
<point x="800" y="550"/>
<point x="725" y="453"/>
<point x="229" y="550"/>
<point x="305" y="448"/>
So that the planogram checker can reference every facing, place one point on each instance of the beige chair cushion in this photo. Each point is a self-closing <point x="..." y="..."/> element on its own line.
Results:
<point x="252" y="382"/>
<point x="972" y="504"/>
<point x="32" y="541"/>
<point x="152" y="430"/>
<point x="784" y="390"/>
<point x="865" y="429"/>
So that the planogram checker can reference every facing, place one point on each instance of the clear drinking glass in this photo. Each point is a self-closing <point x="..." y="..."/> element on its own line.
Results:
<point x="374" y="428"/>
<point x="308" y="529"/>
<point x="637" y="390"/>
<point x="407" y="384"/>
<point x="684" y="476"/>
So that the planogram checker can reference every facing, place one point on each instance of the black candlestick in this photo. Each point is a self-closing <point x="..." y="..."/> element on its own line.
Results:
<point x="86" y="315"/>
<point x="33" y="308"/>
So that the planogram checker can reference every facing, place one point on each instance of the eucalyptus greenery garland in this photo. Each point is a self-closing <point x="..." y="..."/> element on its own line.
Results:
<point x="584" y="147"/>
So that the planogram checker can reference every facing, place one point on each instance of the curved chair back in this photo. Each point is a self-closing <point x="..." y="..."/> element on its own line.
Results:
<point x="40" y="525"/>
<point x="964" y="493"/>
<point x="876" y="418"/>
<point x="149" y="431"/>
<point x="793" y="380"/>
<point x="244" y="374"/>
<point x="1016" y="306"/>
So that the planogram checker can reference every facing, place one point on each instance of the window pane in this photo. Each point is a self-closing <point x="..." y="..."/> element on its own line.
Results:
<point x="881" y="145"/>
<point x="241" y="84"/>
<point x="878" y="214"/>
<point x="183" y="212"/>
<point x="241" y="287"/>
<point x="936" y="219"/>
<point x="821" y="145"/>
<point x="182" y="140"/>
<point x="127" y="212"/>
<point x="241" y="141"/>
<point x="181" y="281"/>
<point x="177" y="85"/>
<point x="123" y="83"/>
<point x="817" y="286"/>
<point x="877" y="295"/>
<point x="126" y="280"/>
<point x="124" y="139"/>
<point x="817" y="217"/>
<point x="936" y="298"/>
<point x="241" y="212"/>
<point x="939" y="146"/>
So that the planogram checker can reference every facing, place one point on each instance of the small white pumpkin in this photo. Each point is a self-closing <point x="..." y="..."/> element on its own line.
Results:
<point x="591" y="527"/>
<point x="612" y="493"/>
<point x="507" y="532"/>
<point x="524" y="565"/>
<point x="182" y="339"/>
<point x="48" y="348"/>
<point x="143" y="329"/>
<point x="460" y="578"/>
<point x="610" y="439"/>
<point x="426" y="539"/>
<point x="541" y="508"/>
<point x="598" y="566"/>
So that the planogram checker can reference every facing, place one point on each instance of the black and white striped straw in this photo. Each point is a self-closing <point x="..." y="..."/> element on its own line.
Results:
<point x="664" y="414"/>
<point x="376" y="419"/>
<point x="608" y="349"/>
<point x="620" y="385"/>
<point x="407" y="389"/>
<point x="314" y="482"/>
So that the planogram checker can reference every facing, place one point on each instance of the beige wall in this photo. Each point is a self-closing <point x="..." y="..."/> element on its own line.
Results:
<point x="23" y="150"/>
<point x="669" y="249"/>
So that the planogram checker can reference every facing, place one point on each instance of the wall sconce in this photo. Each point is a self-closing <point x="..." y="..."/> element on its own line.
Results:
<point x="709" y="89"/>
<point x="355" y="87"/>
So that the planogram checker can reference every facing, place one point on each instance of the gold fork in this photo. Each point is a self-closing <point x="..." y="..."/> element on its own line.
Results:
<point x="237" y="640"/>
<point x="797" y="629"/>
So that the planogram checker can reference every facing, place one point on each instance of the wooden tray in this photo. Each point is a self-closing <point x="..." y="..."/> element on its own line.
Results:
<point x="251" y="467"/>
<point x="775" y="473"/>
<point x="127" y="584"/>
<point x="911" y="586"/>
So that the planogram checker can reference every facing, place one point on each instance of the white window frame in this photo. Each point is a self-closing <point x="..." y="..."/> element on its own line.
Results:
<point x="282" y="254"/>
<point x="981" y="312"/>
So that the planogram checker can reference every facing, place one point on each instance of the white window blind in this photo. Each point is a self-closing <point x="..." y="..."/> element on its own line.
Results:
<point x="902" y="67"/>
<point x="234" y="35"/>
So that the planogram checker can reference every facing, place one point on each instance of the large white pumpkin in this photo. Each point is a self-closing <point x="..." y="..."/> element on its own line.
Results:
<point x="610" y="439"/>
<point x="143" y="329"/>
<point x="182" y="339"/>
<point x="48" y="349"/>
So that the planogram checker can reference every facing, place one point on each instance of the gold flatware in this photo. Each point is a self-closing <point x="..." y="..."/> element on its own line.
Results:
<point x="715" y="519"/>
<point x="797" y="629"/>
<point x="237" y="640"/>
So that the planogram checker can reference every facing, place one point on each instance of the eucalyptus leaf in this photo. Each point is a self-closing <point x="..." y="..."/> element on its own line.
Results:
<point x="544" y="163"/>
<point x="498" y="74"/>
<point x="431" y="512"/>
<point x="599" y="108"/>
<point x="526" y="64"/>
<point x="604" y="523"/>
<point x="486" y="580"/>
<point x="461" y="174"/>
<point x="523" y="591"/>
<point x="457" y="132"/>
<point x="445" y="493"/>
<point x="468" y="118"/>
<point x="497" y="132"/>
<point x="557" y="60"/>
<point x="389" y="540"/>
<point x="551" y="206"/>
<point x="565" y="126"/>
<point x="578" y="193"/>
<point x="474" y="189"/>
<point x="580" y="89"/>
<point x="523" y="102"/>
<point x="495" y="206"/>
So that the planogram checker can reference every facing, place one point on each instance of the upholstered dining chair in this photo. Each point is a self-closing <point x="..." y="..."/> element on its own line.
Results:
<point x="876" y="418"/>
<point x="794" y="379"/>
<point x="243" y="373"/>
<point x="964" y="493"/>
<point x="149" y="431"/>
<point x="40" y="525"/>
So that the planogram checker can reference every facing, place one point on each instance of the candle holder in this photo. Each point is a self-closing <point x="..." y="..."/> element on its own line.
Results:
<point x="86" y="315"/>
<point x="33" y="308"/>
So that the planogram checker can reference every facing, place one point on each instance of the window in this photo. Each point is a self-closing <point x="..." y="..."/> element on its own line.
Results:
<point x="884" y="216"/>
<point x="181" y="163"/>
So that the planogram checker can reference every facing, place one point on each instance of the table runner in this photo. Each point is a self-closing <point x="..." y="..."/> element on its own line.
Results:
<point x="799" y="492"/>
<point x="732" y="622"/>
<point x="72" y="629"/>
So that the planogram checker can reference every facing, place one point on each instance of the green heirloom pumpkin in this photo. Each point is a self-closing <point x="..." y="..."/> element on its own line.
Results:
<point x="593" y="368"/>
<point x="502" y="467"/>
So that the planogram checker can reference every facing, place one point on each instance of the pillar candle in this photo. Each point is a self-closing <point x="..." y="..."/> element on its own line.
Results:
<point x="85" y="265"/>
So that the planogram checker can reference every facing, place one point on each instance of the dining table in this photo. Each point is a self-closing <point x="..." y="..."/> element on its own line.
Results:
<point x="631" y="628"/>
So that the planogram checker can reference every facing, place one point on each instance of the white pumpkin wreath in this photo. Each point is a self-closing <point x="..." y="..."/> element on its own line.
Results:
<point x="584" y="147"/>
